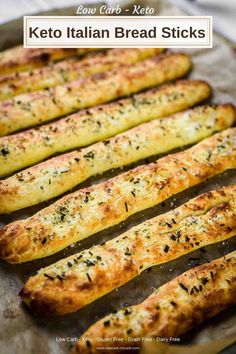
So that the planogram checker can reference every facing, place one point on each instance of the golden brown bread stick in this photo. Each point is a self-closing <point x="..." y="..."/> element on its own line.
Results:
<point x="20" y="59"/>
<point x="58" y="175"/>
<point x="86" y="127"/>
<point x="38" y="107"/>
<point x="170" y="311"/>
<point x="90" y="210"/>
<point x="71" y="70"/>
<point x="75" y="281"/>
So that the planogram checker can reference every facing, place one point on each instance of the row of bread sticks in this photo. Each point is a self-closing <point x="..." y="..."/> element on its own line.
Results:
<point x="89" y="210"/>
<point x="147" y="124"/>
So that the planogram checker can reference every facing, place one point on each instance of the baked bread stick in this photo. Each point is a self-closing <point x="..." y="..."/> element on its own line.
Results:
<point x="71" y="70"/>
<point x="80" y="214"/>
<point x="38" y="107"/>
<point x="170" y="311"/>
<point x="75" y="281"/>
<point x="86" y="127"/>
<point x="20" y="59"/>
<point x="58" y="175"/>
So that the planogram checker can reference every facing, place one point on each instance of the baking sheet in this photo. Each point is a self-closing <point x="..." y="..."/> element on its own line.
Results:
<point x="21" y="333"/>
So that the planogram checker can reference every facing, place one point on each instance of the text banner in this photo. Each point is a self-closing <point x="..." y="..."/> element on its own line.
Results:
<point x="117" y="31"/>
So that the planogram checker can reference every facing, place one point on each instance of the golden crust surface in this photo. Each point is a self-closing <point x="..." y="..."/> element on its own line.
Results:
<point x="41" y="106"/>
<point x="71" y="70"/>
<point x="60" y="174"/>
<point x="20" y="59"/>
<point x="75" y="281"/>
<point x="170" y="311"/>
<point x="90" y="210"/>
<point x="86" y="127"/>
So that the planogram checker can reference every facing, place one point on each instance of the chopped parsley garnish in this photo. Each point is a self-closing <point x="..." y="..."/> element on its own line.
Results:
<point x="166" y="248"/>
<point x="183" y="287"/>
<point x="106" y="323"/>
<point x="89" y="278"/>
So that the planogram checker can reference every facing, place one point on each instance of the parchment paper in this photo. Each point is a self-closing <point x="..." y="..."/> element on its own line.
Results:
<point x="22" y="333"/>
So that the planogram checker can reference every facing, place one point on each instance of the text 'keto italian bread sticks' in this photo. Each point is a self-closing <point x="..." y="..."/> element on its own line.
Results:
<point x="70" y="70"/>
<point x="86" y="127"/>
<point x="75" y="281"/>
<point x="170" y="311"/>
<point x="20" y="59"/>
<point x="58" y="175"/>
<point x="90" y="210"/>
<point x="38" y="107"/>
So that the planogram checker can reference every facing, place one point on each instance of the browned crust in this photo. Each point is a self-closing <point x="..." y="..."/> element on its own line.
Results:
<point x="20" y="59"/>
<point x="86" y="127"/>
<point x="152" y="138"/>
<point x="92" y="209"/>
<point x="171" y="310"/>
<point x="38" y="107"/>
<point x="70" y="70"/>
<point x="74" y="282"/>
